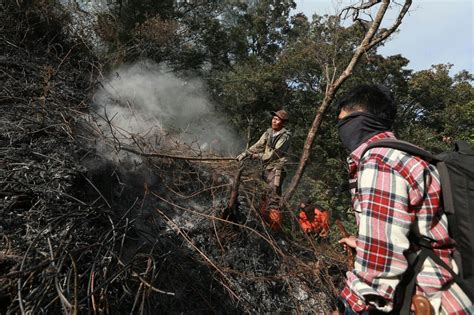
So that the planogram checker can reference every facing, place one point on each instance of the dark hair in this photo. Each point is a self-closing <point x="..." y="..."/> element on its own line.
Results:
<point x="374" y="99"/>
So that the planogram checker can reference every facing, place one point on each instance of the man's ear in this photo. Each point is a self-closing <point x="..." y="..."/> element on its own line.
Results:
<point x="345" y="111"/>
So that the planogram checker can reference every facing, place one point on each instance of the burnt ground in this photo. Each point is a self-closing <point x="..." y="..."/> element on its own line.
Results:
<point x="84" y="233"/>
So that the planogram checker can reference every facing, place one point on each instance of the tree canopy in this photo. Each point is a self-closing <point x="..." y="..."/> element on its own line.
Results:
<point x="256" y="56"/>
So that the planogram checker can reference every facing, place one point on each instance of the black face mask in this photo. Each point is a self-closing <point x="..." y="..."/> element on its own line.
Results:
<point x="358" y="127"/>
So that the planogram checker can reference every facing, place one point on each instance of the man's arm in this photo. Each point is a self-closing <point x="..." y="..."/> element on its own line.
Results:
<point x="384" y="223"/>
<point x="259" y="146"/>
<point x="255" y="148"/>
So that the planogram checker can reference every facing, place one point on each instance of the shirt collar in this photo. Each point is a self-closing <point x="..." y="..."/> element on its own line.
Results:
<point x="276" y="133"/>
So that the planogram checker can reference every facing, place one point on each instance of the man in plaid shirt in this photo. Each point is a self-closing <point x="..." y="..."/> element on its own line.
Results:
<point x="394" y="192"/>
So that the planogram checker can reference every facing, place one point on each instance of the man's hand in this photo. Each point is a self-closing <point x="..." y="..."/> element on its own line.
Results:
<point x="255" y="156"/>
<point x="348" y="242"/>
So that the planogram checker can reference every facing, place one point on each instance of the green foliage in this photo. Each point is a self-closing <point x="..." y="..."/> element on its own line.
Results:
<point x="438" y="109"/>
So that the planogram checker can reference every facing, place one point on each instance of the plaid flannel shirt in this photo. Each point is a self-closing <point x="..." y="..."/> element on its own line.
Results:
<point x="395" y="190"/>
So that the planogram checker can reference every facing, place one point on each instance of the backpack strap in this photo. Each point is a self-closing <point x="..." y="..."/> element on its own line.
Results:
<point x="415" y="263"/>
<point x="402" y="146"/>
<point x="269" y="137"/>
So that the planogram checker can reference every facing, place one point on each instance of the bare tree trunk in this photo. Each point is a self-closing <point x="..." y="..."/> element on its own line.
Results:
<point x="370" y="40"/>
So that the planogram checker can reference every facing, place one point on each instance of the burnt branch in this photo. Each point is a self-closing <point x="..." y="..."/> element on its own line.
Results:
<point x="175" y="157"/>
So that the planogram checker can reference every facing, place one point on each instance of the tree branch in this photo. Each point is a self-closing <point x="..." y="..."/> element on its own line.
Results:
<point x="356" y="9"/>
<point x="386" y="33"/>
<point x="177" y="157"/>
<point x="369" y="41"/>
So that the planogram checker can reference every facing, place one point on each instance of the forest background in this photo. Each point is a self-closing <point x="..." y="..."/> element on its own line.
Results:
<point x="254" y="57"/>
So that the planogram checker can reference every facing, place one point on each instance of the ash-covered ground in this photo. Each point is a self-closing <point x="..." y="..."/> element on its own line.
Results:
<point x="87" y="232"/>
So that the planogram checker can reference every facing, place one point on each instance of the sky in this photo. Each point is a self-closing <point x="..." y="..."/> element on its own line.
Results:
<point x="433" y="31"/>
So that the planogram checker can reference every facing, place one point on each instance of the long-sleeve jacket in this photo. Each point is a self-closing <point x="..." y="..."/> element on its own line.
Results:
<point x="272" y="148"/>
<point x="395" y="191"/>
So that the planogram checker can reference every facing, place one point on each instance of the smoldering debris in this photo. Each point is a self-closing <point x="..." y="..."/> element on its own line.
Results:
<point x="82" y="232"/>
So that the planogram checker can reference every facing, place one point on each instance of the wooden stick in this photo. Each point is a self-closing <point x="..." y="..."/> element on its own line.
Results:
<point x="177" y="157"/>
<point x="232" y="204"/>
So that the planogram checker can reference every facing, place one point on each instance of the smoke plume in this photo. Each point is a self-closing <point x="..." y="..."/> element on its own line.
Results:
<point x="148" y="100"/>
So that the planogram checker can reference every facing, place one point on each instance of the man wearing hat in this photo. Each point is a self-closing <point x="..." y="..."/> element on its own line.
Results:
<point x="272" y="149"/>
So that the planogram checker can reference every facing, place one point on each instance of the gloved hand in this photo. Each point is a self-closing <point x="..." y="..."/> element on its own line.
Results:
<point x="241" y="156"/>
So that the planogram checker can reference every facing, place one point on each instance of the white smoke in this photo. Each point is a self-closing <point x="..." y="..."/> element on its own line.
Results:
<point x="148" y="100"/>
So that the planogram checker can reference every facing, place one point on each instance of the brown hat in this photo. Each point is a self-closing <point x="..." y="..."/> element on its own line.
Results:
<point x="282" y="114"/>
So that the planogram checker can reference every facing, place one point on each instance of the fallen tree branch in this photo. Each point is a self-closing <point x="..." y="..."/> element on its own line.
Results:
<point x="177" y="157"/>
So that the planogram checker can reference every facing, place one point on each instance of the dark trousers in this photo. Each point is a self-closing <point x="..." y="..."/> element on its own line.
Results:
<point x="274" y="178"/>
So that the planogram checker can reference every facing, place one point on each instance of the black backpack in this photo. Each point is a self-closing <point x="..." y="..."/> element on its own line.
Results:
<point x="456" y="170"/>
